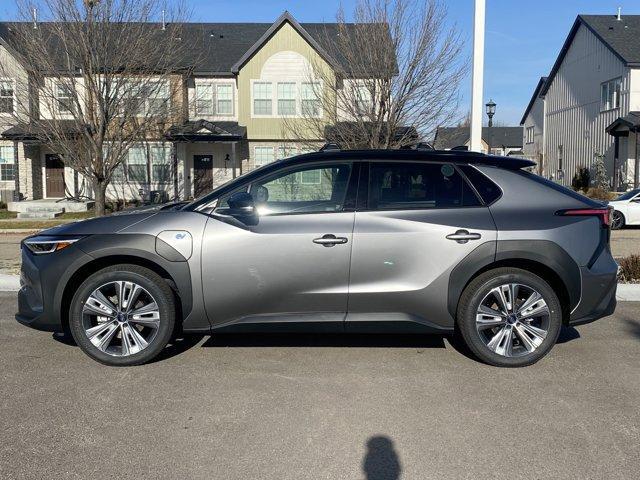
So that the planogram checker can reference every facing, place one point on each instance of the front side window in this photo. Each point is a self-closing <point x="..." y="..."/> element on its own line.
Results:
<point x="6" y="96"/>
<point x="7" y="163"/>
<point x="263" y="155"/>
<point x="262" y="98"/>
<point x="401" y="186"/>
<point x="160" y="163"/>
<point x="137" y="164"/>
<point x="610" y="94"/>
<point x="287" y="99"/>
<point x="304" y="190"/>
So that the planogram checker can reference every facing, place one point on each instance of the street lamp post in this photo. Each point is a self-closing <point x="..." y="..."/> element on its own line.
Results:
<point x="491" y="111"/>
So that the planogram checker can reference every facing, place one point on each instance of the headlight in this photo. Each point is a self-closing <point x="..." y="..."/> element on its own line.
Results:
<point x="41" y="244"/>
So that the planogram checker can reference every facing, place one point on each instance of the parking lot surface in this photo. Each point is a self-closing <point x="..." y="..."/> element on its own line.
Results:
<point x="322" y="407"/>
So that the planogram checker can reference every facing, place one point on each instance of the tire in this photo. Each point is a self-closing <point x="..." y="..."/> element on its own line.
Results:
<point x="122" y="334"/>
<point x="510" y="340"/>
<point x="617" y="220"/>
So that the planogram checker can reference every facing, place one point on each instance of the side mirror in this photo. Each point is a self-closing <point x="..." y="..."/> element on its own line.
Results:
<point x="241" y="205"/>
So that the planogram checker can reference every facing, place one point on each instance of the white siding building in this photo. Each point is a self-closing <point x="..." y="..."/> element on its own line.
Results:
<point x="588" y="102"/>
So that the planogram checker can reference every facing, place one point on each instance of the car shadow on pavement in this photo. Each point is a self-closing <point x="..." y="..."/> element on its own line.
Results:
<point x="381" y="462"/>
<point x="567" y="334"/>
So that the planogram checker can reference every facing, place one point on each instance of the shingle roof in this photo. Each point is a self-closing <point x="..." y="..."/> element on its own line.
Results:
<point x="621" y="37"/>
<point x="450" y="137"/>
<point x="217" y="47"/>
<point x="536" y="94"/>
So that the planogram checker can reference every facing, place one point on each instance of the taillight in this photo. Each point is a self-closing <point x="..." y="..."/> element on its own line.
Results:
<point x="604" y="214"/>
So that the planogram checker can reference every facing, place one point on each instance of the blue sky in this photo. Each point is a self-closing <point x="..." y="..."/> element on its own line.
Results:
<point x="522" y="41"/>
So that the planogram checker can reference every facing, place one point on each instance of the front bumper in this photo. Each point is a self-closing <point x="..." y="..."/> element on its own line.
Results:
<point x="598" y="296"/>
<point x="42" y="282"/>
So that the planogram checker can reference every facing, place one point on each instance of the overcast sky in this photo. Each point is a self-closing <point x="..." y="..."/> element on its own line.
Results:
<point x="522" y="42"/>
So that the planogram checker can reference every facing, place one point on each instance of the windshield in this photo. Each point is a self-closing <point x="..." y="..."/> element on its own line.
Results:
<point x="628" y="195"/>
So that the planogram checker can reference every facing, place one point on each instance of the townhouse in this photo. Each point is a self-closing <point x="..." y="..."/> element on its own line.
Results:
<point x="500" y="140"/>
<point x="248" y="80"/>
<point x="589" y="105"/>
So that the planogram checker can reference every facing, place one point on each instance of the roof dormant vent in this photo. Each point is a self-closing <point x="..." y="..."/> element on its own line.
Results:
<point x="619" y="15"/>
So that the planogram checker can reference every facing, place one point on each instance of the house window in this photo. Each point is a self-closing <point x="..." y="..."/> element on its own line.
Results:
<point x="160" y="163"/>
<point x="560" y="163"/>
<point x="137" y="164"/>
<point x="610" y="94"/>
<point x="204" y="99"/>
<point x="7" y="164"/>
<point x="287" y="98"/>
<point x="309" y="103"/>
<point x="64" y="98"/>
<point x="529" y="134"/>
<point x="224" y="99"/>
<point x="157" y="98"/>
<point x="262" y="98"/>
<point x="133" y="99"/>
<point x="286" y="152"/>
<point x="6" y="96"/>
<point x="263" y="155"/>
<point x="363" y="100"/>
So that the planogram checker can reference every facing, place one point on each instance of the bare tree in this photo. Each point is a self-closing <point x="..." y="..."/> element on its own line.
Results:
<point x="395" y="76"/>
<point x="102" y="77"/>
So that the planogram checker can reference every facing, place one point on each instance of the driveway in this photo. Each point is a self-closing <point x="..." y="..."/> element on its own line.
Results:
<point x="322" y="407"/>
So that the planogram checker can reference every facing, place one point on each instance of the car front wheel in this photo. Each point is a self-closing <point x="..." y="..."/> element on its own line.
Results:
<point x="122" y="315"/>
<point x="509" y="317"/>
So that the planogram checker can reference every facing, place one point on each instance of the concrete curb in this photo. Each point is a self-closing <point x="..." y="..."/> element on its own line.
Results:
<point x="627" y="292"/>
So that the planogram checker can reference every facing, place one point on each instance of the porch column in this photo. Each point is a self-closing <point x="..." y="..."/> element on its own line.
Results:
<point x="234" y="160"/>
<point x="174" y="168"/>
<point x="16" y="172"/>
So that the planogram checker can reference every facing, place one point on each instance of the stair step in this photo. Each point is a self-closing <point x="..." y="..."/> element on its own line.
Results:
<point x="40" y="215"/>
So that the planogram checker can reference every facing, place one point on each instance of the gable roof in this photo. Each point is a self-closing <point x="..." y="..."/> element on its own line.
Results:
<point x="221" y="48"/>
<point x="534" y="97"/>
<point x="450" y="137"/>
<point x="621" y="37"/>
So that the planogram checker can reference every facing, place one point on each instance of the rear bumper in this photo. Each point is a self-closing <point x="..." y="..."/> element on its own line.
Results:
<point x="598" y="295"/>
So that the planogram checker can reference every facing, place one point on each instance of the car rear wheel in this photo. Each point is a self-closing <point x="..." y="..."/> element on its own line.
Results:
<point x="509" y="317"/>
<point x="617" y="220"/>
<point x="122" y="315"/>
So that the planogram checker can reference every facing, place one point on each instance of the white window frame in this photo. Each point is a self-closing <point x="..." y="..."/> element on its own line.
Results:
<point x="8" y="160"/>
<point x="155" y="95"/>
<point x="13" y="95"/>
<point x="255" y="155"/>
<point x="200" y="97"/>
<point x="253" y="99"/>
<point x="231" y="100"/>
<point x="610" y="96"/>
<point x="275" y="110"/>
<point x="530" y="135"/>
<point x="146" y="165"/>
<point x="214" y="99"/>
<point x="58" y="87"/>
<point x="167" y="161"/>
<point x="293" y="87"/>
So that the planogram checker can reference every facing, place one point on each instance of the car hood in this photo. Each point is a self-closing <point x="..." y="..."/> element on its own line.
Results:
<point x="100" y="225"/>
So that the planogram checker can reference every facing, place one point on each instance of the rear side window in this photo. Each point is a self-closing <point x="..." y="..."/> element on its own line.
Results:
<point x="488" y="190"/>
<point x="400" y="186"/>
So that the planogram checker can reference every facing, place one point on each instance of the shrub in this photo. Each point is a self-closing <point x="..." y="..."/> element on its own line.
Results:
<point x="599" y="194"/>
<point x="581" y="179"/>
<point x="601" y="179"/>
<point x="3" y="206"/>
<point x="630" y="269"/>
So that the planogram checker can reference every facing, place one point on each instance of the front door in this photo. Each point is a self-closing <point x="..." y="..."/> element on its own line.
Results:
<point x="422" y="220"/>
<point x="202" y="174"/>
<point x="291" y="263"/>
<point x="54" y="174"/>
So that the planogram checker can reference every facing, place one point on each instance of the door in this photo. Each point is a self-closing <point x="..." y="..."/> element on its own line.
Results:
<point x="633" y="211"/>
<point x="54" y="174"/>
<point x="422" y="220"/>
<point x="202" y="174"/>
<point x="291" y="262"/>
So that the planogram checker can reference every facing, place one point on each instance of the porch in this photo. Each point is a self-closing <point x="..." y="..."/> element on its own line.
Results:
<point x="626" y="131"/>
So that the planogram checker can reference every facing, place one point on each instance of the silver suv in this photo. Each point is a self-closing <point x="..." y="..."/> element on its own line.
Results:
<point x="346" y="241"/>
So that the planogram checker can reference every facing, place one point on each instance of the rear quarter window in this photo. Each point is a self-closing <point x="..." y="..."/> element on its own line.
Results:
<point x="489" y="191"/>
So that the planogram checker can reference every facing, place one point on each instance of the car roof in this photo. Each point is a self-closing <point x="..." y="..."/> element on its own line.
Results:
<point x="449" y="156"/>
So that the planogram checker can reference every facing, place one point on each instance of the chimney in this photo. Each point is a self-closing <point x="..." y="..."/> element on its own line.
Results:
<point x="164" y="23"/>
<point x="619" y="16"/>
<point x="34" y="14"/>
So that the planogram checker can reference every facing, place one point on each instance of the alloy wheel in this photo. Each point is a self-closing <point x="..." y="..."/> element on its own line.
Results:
<point x="617" y="220"/>
<point x="513" y="320"/>
<point x="121" y="318"/>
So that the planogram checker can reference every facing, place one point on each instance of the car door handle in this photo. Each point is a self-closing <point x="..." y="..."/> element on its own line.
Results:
<point x="329" y="240"/>
<point x="463" y="236"/>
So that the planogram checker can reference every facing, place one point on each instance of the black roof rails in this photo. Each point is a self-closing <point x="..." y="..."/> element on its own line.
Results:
<point x="330" y="147"/>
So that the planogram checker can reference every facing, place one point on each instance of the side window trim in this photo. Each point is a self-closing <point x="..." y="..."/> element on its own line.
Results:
<point x="470" y="185"/>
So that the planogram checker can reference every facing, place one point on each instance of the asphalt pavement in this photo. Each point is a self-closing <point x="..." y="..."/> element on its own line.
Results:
<point x="322" y="407"/>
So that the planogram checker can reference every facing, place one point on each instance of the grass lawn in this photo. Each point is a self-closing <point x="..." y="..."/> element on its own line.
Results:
<point x="5" y="214"/>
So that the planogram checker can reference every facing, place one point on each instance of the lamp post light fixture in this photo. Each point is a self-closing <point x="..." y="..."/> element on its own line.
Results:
<point x="491" y="111"/>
